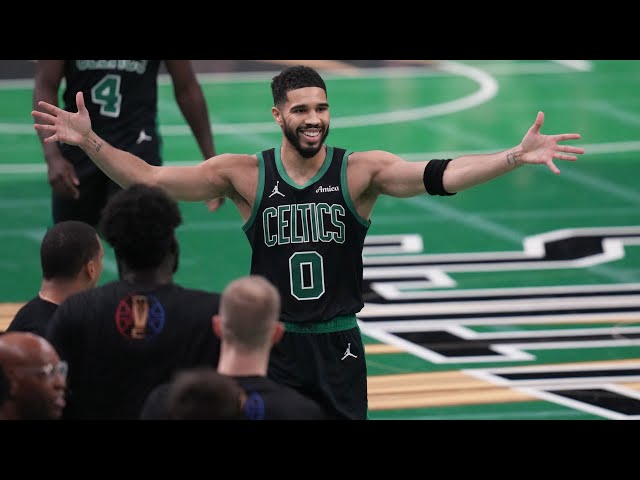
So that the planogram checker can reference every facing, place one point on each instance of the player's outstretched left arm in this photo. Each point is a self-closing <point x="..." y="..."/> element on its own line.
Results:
<point x="203" y="181"/>
<point x="536" y="149"/>
<point x="391" y="175"/>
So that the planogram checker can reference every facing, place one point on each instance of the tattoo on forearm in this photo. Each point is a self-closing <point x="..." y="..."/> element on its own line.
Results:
<point x="512" y="160"/>
<point x="96" y="144"/>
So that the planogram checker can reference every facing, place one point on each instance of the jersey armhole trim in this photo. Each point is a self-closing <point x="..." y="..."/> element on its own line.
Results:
<point x="345" y="190"/>
<point x="259" y="192"/>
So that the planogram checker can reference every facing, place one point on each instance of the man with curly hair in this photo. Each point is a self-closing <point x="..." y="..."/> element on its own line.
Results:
<point x="125" y="337"/>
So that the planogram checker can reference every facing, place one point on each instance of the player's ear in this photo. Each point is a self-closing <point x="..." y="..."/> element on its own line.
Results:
<point x="278" y="332"/>
<point x="92" y="269"/>
<point x="216" y="321"/>
<point x="277" y="116"/>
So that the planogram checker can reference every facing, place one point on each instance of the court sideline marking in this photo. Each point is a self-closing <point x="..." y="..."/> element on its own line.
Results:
<point x="488" y="88"/>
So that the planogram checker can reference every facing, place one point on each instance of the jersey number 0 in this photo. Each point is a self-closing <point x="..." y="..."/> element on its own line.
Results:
<point x="306" y="275"/>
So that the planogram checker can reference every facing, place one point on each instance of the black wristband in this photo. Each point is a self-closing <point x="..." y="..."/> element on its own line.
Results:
<point x="432" y="177"/>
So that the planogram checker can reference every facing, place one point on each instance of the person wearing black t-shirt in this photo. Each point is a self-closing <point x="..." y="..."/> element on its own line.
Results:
<point x="71" y="256"/>
<point x="123" y="338"/>
<point x="248" y="326"/>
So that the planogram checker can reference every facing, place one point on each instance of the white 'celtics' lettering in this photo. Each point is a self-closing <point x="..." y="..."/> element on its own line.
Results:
<point x="303" y="223"/>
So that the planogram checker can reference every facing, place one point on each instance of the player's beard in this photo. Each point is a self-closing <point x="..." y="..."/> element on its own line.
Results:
<point x="292" y="136"/>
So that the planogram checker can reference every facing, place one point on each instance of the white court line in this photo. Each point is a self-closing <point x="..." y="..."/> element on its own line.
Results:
<point x="580" y="65"/>
<point x="487" y="83"/>
<point x="505" y="68"/>
<point x="488" y="88"/>
<point x="605" y="108"/>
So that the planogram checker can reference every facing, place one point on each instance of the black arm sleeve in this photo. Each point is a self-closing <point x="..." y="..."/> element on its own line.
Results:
<point x="432" y="177"/>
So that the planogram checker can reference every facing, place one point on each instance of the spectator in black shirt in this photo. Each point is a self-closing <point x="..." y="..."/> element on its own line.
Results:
<point x="125" y="337"/>
<point x="248" y="326"/>
<point x="201" y="393"/>
<point x="71" y="256"/>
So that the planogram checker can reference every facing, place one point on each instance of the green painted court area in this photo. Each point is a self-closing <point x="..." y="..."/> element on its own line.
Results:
<point x="526" y="290"/>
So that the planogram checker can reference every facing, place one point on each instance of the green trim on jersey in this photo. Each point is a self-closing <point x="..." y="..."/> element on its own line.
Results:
<point x="259" y="191"/>
<point x="345" y="190"/>
<point x="283" y="173"/>
<point x="337" y="324"/>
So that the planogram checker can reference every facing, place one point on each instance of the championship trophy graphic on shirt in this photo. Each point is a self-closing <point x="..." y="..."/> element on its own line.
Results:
<point x="140" y="314"/>
<point x="139" y="317"/>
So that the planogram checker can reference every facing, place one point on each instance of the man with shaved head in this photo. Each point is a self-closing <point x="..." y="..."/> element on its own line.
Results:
<point x="248" y="325"/>
<point x="37" y="378"/>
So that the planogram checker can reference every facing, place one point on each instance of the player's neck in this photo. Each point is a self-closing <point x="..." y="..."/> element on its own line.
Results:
<point x="242" y="364"/>
<point x="149" y="277"/>
<point x="146" y="278"/>
<point x="56" y="291"/>
<point x="300" y="168"/>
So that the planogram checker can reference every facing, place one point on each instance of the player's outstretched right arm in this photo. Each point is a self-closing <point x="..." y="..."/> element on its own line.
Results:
<point x="183" y="183"/>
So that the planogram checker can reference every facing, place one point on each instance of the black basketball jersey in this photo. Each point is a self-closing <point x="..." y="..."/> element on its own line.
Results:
<point x="121" y="96"/>
<point x="308" y="239"/>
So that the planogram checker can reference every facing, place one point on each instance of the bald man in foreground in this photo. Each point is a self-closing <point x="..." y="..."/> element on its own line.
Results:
<point x="37" y="378"/>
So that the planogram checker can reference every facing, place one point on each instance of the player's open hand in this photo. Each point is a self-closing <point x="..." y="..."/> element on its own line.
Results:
<point x="63" y="126"/>
<point x="542" y="149"/>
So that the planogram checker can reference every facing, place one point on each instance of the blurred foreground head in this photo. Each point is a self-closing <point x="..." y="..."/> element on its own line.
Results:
<point x="204" y="394"/>
<point x="37" y="378"/>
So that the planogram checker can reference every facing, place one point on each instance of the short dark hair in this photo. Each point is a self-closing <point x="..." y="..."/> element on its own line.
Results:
<point x="201" y="393"/>
<point x="139" y="222"/>
<point x="292" y="78"/>
<point x="66" y="247"/>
